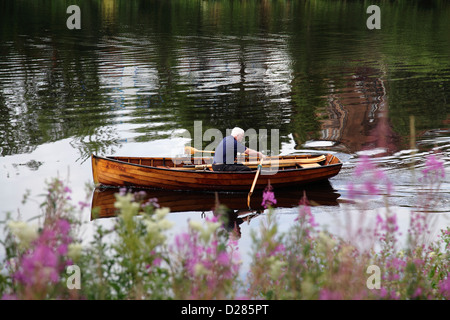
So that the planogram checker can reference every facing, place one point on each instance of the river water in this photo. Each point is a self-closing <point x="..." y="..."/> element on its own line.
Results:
<point x="139" y="75"/>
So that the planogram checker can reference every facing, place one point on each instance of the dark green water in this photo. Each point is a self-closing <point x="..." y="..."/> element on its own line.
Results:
<point x="140" y="73"/>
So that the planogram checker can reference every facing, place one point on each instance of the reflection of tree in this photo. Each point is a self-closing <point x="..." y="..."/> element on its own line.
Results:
<point x="55" y="89"/>
<point x="235" y="85"/>
<point x="428" y="101"/>
<point x="158" y="66"/>
<point x="359" y="113"/>
<point x="14" y="134"/>
<point x="337" y="98"/>
<point x="55" y="96"/>
<point x="103" y="141"/>
<point x="305" y="123"/>
<point x="204" y="76"/>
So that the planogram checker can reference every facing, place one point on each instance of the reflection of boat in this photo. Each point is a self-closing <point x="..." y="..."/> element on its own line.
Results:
<point x="181" y="201"/>
<point x="175" y="174"/>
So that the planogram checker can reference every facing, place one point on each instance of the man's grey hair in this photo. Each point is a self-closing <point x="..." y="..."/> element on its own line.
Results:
<point x="237" y="131"/>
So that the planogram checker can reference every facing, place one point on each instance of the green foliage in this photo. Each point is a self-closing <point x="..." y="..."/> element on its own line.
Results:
<point x="136" y="259"/>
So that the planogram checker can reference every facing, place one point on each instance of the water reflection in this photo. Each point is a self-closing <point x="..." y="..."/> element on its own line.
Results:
<point x="358" y="116"/>
<point x="234" y="205"/>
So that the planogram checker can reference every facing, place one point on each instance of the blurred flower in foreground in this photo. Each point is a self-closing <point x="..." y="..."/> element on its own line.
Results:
<point x="370" y="178"/>
<point x="24" y="232"/>
<point x="268" y="197"/>
<point x="434" y="169"/>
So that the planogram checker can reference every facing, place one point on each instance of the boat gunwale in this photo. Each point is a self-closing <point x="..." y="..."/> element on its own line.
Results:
<point x="111" y="158"/>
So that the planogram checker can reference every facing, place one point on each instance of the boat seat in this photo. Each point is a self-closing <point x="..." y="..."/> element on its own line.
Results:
<point x="309" y="165"/>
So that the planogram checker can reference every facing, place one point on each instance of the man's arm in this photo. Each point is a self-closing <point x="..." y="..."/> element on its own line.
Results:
<point x="255" y="153"/>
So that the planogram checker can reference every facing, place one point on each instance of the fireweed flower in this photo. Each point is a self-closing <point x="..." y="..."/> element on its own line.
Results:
<point x="370" y="179"/>
<point x="434" y="169"/>
<point x="268" y="198"/>
<point x="223" y="258"/>
<point x="305" y="216"/>
<point x="46" y="258"/>
<point x="444" y="287"/>
<point x="63" y="226"/>
<point x="39" y="266"/>
<point x="326" y="294"/>
<point x="9" y="297"/>
<point x="389" y="224"/>
<point x="83" y="205"/>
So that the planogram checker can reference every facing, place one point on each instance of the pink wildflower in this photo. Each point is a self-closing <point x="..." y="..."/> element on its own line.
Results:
<point x="434" y="168"/>
<point x="44" y="262"/>
<point x="326" y="294"/>
<point x="140" y="195"/>
<point x="153" y="202"/>
<point x="223" y="258"/>
<point x="63" y="226"/>
<point x="83" y="205"/>
<point x="38" y="266"/>
<point x="268" y="198"/>
<point x="157" y="262"/>
<point x="370" y="177"/>
<point x="363" y="166"/>
<point x="383" y="292"/>
<point x="305" y="215"/>
<point x="62" y="249"/>
<point x="444" y="287"/>
<point x="370" y="188"/>
<point x="418" y="293"/>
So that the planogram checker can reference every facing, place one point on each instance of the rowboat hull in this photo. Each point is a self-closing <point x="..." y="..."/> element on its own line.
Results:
<point x="173" y="174"/>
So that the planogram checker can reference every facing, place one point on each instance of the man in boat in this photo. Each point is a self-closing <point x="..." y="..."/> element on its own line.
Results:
<point x="225" y="157"/>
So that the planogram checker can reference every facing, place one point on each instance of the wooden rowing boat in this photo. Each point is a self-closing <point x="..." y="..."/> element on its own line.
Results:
<point x="189" y="173"/>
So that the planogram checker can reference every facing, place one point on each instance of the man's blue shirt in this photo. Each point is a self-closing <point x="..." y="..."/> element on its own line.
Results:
<point x="226" y="151"/>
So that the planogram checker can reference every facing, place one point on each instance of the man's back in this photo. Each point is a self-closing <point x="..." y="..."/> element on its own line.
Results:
<point x="226" y="151"/>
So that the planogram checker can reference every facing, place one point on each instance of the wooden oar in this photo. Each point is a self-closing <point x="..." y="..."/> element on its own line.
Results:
<point x="265" y="165"/>
<point x="254" y="182"/>
<point x="276" y="163"/>
<point x="191" y="150"/>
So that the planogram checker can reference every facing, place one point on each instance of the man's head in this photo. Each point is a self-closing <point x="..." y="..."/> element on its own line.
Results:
<point x="238" y="133"/>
